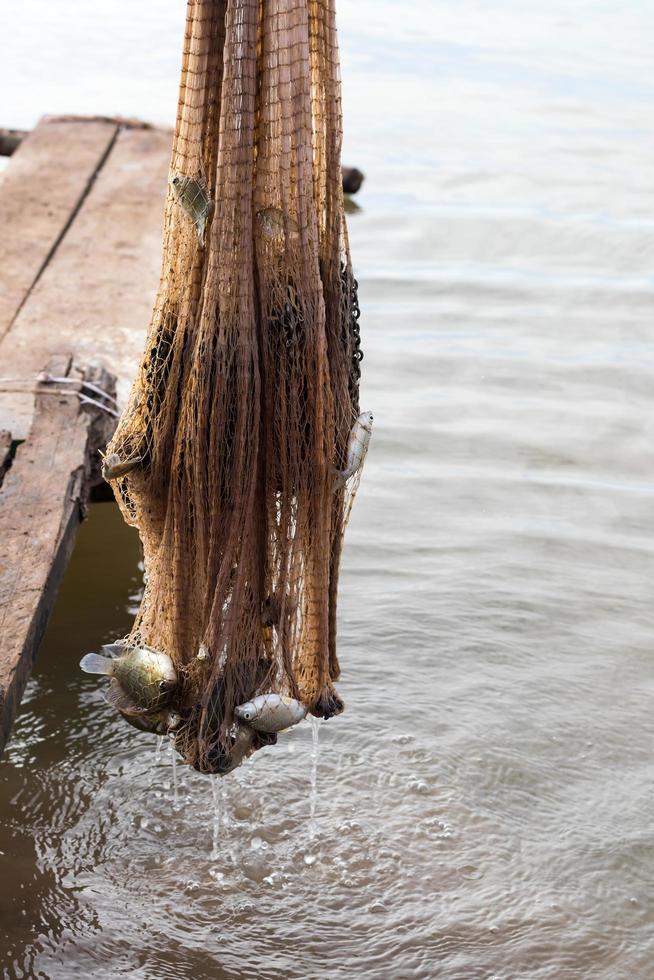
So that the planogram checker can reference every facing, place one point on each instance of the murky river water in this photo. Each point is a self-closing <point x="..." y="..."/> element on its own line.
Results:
<point x="484" y="807"/>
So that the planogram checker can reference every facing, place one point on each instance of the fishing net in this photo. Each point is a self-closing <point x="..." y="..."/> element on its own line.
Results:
<point x="247" y="391"/>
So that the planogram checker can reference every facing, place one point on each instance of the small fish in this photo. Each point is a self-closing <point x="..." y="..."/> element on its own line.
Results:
<point x="271" y="712"/>
<point x="193" y="198"/>
<point x="160" y="723"/>
<point x="142" y="679"/>
<point x="113" y="467"/>
<point x="357" y="446"/>
<point x="271" y="221"/>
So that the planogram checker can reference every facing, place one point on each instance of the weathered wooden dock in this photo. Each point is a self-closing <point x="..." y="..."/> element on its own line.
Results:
<point x="81" y="207"/>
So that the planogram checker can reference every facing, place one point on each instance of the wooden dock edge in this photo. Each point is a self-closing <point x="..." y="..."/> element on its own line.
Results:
<point x="43" y="500"/>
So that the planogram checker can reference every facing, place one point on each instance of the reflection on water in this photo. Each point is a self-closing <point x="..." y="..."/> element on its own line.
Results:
<point x="483" y="807"/>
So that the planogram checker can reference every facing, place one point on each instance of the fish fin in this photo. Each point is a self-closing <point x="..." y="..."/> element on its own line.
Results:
<point x="117" y="698"/>
<point x="94" y="663"/>
<point x="114" y="649"/>
<point x="340" y="478"/>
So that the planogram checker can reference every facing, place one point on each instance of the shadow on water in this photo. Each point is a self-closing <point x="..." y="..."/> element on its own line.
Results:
<point x="40" y="794"/>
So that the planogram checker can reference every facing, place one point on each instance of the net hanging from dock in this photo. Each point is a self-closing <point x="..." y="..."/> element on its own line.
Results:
<point x="248" y="387"/>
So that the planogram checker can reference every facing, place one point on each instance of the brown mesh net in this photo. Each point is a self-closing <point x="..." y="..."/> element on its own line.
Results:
<point x="247" y="393"/>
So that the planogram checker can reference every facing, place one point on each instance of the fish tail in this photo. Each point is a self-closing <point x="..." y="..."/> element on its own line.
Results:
<point x="93" y="663"/>
<point x="113" y="650"/>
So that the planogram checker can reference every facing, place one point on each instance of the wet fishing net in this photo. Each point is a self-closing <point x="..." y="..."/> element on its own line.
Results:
<point x="236" y="456"/>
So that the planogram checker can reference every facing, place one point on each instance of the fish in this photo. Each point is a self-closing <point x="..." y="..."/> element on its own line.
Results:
<point x="271" y="221"/>
<point x="113" y="467"/>
<point x="357" y="447"/>
<point x="271" y="712"/>
<point x="193" y="197"/>
<point x="142" y="679"/>
<point x="160" y="723"/>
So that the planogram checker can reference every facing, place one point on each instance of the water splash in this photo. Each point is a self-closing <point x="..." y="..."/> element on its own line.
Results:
<point x="313" y="793"/>
<point x="173" y="757"/>
<point x="218" y="791"/>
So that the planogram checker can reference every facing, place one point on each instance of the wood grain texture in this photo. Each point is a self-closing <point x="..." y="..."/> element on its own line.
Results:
<point x="49" y="175"/>
<point x="95" y="296"/>
<point x="42" y="501"/>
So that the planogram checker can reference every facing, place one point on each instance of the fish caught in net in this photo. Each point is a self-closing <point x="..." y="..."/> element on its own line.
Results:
<point x="240" y="450"/>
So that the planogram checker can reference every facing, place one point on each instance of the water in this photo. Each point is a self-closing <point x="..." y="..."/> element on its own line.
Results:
<point x="313" y="784"/>
<point x="218" y="791"/>
<point x="484" y="805"/>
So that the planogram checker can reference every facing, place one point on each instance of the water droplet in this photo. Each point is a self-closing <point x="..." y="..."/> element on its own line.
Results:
<point x="310" y="859"/>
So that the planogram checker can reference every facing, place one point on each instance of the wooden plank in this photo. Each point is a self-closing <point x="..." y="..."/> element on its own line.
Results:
<point x="95" y="297"/>
<point x="42" y="502"/>
<point x="49" y="175"/>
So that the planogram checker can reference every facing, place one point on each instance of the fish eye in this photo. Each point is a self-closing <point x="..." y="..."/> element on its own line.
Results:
<point x="176" y="180"/>
<point x="247" y="715"/>
<point x="162" y="685"/>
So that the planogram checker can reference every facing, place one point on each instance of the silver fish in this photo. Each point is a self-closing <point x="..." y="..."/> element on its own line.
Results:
<point x="142" y="679"/>
<point x="271" y="221"/>
<point x="357" y="446"/>
<point x="271" y="712"/>
<point x="113" y="467"/>
<point x="193" y="198"/>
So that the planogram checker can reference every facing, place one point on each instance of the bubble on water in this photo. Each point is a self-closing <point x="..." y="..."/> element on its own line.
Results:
<point x="258" y="844"/>
<point x="378" y="907"/>
<point x="403" y="739"/>
<point x="310" y="858"/>
<point x="471" y="872"/>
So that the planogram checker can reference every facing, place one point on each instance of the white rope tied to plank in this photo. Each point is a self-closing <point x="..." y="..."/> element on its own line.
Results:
<point x="85" y="400"/>
<point x="43" y="378"/>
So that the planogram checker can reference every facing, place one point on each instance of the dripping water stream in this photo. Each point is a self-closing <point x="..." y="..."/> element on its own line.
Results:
<point x="173" y="759"/>
<point x="218" y="791"/>
<point x="313" y="786"/>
